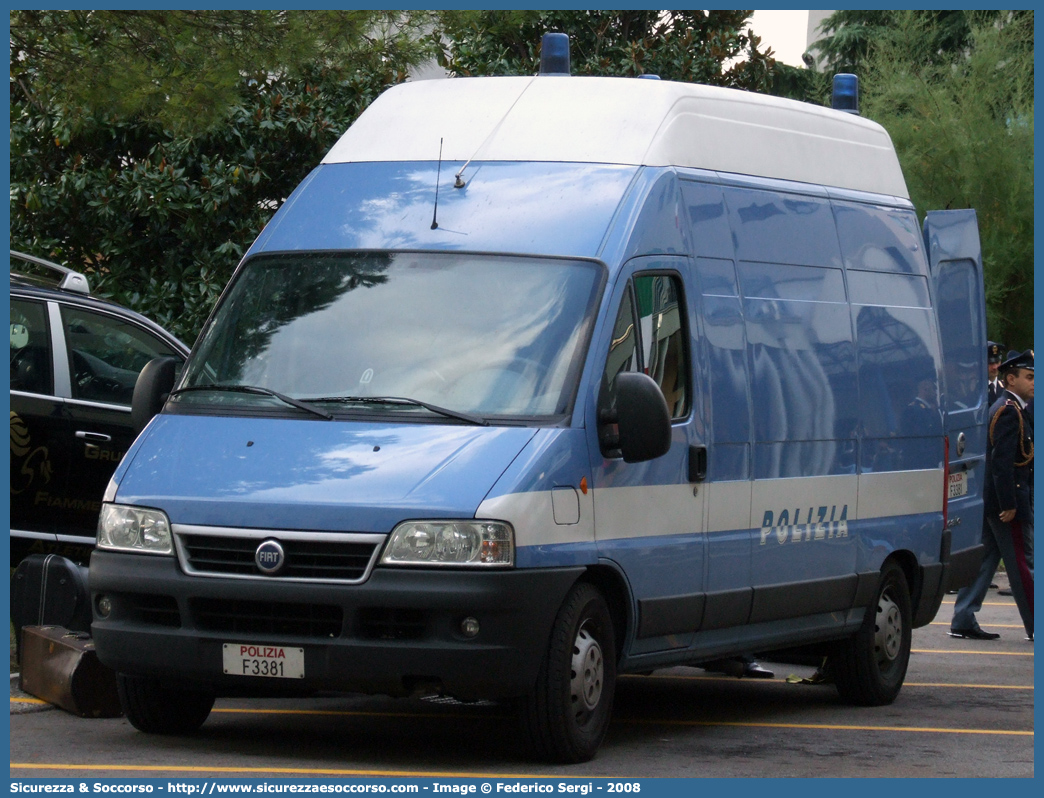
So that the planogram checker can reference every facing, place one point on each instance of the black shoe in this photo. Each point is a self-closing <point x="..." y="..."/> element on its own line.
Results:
<point x="1005" y="592"/>
<point x="1029" y="638"/>
<point x="993" y="585"/>
<point x="753" y="670"/>
<point x="974" y="634"/>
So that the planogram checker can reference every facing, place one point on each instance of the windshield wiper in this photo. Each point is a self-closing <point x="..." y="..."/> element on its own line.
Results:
<point x="253" y="389"/>
<point x="402" y="400"/>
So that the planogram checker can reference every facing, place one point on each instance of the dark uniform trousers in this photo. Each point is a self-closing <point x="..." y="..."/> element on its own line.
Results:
<point x="1009" y="480"/>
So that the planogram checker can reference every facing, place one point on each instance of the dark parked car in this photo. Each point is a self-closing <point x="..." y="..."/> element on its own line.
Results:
<point x="74" y="361"/>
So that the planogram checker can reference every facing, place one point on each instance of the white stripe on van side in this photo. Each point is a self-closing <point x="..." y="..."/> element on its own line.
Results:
<point x="892" y="493"/>
<point x="659" y="510"/>
<point x="728" y="505"/>
<point x="533" y="517"/>
<point x="643" y="512"/>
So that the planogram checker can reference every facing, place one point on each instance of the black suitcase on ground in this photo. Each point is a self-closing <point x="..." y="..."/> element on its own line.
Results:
<point x="62" y="668"/>
<point x="48" y="589"/>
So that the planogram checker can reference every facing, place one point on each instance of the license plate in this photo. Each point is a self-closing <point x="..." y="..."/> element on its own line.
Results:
<point x="958" y="484"/>
<point x="254" y="659"/>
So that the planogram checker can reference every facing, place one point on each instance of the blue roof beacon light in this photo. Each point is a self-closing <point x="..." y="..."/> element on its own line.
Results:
<point x="845" y="96"/>
<point x="554" y="54"/>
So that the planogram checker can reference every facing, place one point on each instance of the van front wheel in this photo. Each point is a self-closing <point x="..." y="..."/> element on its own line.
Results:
<point x="566" y="715"/>
<point x="156" y="709"/>
<point x="870" y="667"/>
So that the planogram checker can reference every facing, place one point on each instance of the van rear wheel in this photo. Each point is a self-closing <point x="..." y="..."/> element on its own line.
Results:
<point x="566" y="715"/>
<point x="153" y="708"/>
<point x="870" y="667"/>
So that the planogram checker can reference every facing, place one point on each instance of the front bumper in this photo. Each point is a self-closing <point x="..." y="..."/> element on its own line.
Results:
<point x="397" y="633"/>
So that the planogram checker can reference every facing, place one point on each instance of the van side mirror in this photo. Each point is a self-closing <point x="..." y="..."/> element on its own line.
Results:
<point x="642" y="417"/>
<point x="151" y="389"/>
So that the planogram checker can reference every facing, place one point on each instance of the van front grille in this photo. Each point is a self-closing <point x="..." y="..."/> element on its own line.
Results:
<point x="266" y="618"/>
<point x="308" y="556"/>
<point x="155" y="610"/>
<point x="389" y="623"/>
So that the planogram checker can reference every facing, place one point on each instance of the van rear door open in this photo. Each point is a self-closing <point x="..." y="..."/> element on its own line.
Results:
<point x="952" y="240"/>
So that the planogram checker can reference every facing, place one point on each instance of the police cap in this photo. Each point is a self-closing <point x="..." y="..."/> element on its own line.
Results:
<point x="1018" y="360"/>
<point x="993" y="352"/>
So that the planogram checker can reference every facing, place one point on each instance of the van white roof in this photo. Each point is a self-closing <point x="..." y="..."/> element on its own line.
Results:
<point x="623" y="121"/>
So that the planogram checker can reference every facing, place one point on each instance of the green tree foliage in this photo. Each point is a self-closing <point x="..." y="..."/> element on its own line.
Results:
<point x="714" y="47"/>
<point x="797" y="83"/>
<point x="962" y="124"/>
<point x="851" y="34"/>
<point x="185" y="68"/>
<point x="156" y="194"/>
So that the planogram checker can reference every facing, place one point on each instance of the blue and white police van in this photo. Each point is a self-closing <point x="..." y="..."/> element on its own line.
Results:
<point x="535" y="381"/>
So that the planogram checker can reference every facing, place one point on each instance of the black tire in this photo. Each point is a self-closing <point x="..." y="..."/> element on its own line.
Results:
<point x="566" y="716"/>
<point x="155" y="709"/>
<point x="870" y="667"/>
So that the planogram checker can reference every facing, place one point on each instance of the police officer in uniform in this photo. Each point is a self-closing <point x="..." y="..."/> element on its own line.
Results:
<point x="993" y="361"/>
<point x="1009" y="501"/>
<point x="1027" y="533"/>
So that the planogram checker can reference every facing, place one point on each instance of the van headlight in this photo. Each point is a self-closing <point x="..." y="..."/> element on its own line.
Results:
<point x="470" y="543"/>
<point x="135" y="529"/>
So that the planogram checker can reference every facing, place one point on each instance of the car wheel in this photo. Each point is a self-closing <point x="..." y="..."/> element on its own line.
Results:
<point x="870" y="667"/>
<point x="567" y="714"/>
<point x="156" y="709"/>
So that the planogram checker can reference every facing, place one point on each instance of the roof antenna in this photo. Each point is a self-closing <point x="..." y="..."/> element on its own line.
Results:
<point x="554" y="60"/>
<point x="434" y="213"/>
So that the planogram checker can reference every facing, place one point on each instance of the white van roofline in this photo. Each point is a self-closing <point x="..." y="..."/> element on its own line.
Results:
<point x="623" y="121"/>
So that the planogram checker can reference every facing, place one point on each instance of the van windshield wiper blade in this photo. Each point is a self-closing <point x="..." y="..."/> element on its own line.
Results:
<point x="259" y="392"/>
<point x="402" y="400"/>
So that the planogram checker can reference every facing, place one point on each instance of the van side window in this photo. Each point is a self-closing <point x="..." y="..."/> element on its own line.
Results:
<point x="651" y="340"/>
<point x="623" y="348"/>
<point x="661" y="322"/>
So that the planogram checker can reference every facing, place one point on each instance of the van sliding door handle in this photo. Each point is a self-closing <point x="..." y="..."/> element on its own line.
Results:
<point x="697" y="463"/>
<point x="94" y="437"/>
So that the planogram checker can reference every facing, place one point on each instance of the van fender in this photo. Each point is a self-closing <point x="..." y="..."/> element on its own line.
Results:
<point x="922" y="600"/>
<point x="927" y="583"/>
<point x="609" y="577"/>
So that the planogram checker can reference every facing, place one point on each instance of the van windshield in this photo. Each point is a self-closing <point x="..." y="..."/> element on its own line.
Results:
<point x="490" y="336"/>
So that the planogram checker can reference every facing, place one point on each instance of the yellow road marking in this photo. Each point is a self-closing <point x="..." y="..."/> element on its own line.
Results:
<point x="15" y="700"/>
<point x="682" y="677"/>
<point x="974" y="686"/>
<point x="988" y="603"/>
<point x="972" y="653"/>
<point x="999" y="625"/>
<point x="441" y="774"/>
<point x="820" y="726"/>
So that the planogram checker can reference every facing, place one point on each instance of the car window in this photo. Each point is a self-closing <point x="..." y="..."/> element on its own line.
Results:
<point x="649" y="336"/>
<point x="623" y="349"/>
<point x="106" y="354"/>
<point x="31" y="363"/>
<point x="661" y="321"/>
